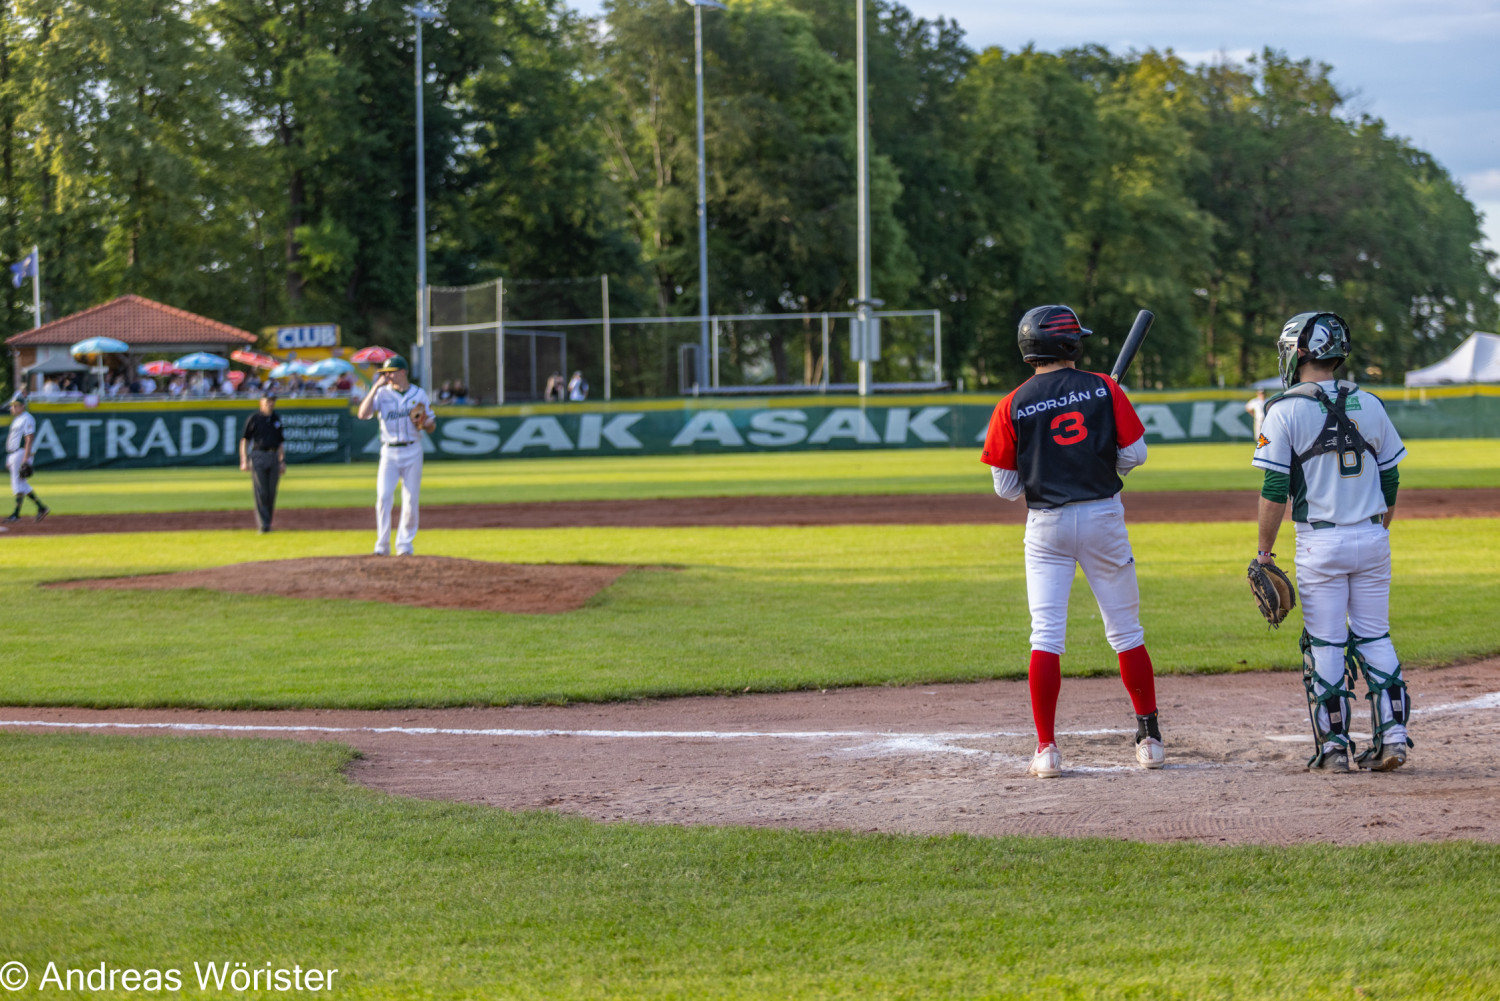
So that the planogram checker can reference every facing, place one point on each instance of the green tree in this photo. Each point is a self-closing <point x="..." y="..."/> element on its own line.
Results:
<point x="780" y="118"/>
<point x="1136" y="236"/>
<point x="1315" y="210"/>
<point x="918" y="124"/>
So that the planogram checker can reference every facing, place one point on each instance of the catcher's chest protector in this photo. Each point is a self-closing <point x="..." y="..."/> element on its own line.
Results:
<point x="1338" y="433"/>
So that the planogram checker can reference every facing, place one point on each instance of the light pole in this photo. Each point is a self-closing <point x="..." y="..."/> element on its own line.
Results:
<point x="862" y="198"/>
<point x="422" y="12"/>
<point x="698" y="6"/>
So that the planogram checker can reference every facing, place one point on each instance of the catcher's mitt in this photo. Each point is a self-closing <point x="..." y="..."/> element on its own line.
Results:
<point x="26" y="470"/>
<point x="1274" y="594"/>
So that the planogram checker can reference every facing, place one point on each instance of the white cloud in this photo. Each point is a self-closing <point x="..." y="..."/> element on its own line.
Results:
<point x="1214" y="57"/>
<point x="1483" y="185"/>
<point x="1403" y="21"/>
<point x="1490" y="227"/>
<point x="1112" y="22"/>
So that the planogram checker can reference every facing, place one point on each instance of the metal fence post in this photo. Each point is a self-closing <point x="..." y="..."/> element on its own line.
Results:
<point x="500" y="339"/>
<point x="424" y="338"/>
<point x="937" y="345"/>
<point x="827" y="361"/>
<point x="604" y="295"/>
<point x="714" y="356"/>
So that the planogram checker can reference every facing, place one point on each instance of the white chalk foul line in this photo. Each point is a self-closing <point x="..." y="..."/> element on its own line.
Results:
<point x="422" y="731"/>
<point x="1488" y="701"/>
<point x="880" y="742"/>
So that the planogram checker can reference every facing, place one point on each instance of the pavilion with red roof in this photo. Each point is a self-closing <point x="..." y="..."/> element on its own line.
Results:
<point x="149" y="327"/>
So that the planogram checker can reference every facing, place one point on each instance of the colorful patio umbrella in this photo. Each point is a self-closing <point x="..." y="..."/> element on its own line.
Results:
<point x="253" y="358"/>
<point x="329" y="366"/>
<point x="287" y="369"/>
<point x="372" y="356"/>
<point x="100" y="346"/>
<point x="235" y="377"/>
<point x="96" y="348"/>
<point x="202" y="361"/>
<point x="159" y="369"/>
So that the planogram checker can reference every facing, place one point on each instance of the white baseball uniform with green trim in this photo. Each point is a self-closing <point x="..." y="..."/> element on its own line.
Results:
<point x="15" y="451"/>
<point x="1343" y="557"/>
<point x="400" y="460"/>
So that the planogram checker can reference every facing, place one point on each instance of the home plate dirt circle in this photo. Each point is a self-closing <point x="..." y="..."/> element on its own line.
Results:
<point x="425" y="581"/>
<point x="934" y="759"/>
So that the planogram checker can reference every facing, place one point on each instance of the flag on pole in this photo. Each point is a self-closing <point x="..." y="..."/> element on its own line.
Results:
<point x="23" y="269"/>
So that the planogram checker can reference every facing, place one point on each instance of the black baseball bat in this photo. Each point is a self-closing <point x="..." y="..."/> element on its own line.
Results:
<point x="1132" y="344"/>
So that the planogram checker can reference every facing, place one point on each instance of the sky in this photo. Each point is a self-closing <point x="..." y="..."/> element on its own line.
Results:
<point x="1429" y="68"/>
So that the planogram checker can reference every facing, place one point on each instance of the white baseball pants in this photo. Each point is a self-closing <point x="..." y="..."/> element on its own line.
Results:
<point x="1090" y="535"/>
<point x="1344" y="583"/>
<point x="403" y="463"/>
<point x="13" y="461"/>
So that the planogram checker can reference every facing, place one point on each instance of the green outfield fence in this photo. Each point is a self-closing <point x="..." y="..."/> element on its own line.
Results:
<point x="206" y="433"/>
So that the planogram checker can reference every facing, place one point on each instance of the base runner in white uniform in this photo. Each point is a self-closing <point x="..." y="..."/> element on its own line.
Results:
<point x="1332" y="448"/>
<point x="404" y="413"/>
<point x="20" y="440"/>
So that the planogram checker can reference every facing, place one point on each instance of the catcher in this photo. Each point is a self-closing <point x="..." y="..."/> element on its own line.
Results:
<point x="1332" y="448"/>
<point x="19" y="443"/>
<point x="404" y="412"/>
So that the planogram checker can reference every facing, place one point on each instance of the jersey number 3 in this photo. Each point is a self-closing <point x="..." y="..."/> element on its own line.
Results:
<point x="1068" y="428"/>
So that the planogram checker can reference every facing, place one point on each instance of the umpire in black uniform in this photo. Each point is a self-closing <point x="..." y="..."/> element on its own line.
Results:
<point x="263" y="456"/>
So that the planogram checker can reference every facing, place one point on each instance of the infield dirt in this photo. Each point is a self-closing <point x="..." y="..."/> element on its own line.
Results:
<point x="425" y="581"/>
<point x="924" y="760"/>
<point x="861" y="509"/>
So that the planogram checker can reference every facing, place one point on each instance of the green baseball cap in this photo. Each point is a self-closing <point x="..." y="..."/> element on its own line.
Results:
<point x="395" y="363"/>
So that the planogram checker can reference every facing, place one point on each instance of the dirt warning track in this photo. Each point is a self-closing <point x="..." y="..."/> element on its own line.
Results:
<point x="926" y="759"/>
<point x="868" y="509"/>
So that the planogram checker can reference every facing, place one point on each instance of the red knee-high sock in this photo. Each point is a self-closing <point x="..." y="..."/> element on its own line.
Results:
<point x="1046" y="680"/>
<point x="1140" y="682"/>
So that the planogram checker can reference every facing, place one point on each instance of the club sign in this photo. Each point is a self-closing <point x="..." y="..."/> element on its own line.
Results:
<point x="315" y="335"/>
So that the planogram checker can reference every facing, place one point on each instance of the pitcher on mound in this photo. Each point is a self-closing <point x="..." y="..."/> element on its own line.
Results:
<point x="404" y="412"/>
<point x="1064" y="439"/>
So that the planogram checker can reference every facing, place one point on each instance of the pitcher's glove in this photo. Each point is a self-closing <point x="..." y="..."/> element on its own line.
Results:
<point x="419" y="417"/>
<point x="26" y="470"/>
<point x="1274" y="594"/>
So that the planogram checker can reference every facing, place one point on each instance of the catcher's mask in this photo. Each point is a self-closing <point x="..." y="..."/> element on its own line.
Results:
<point x="1310" y="337"/>
<point x="1051" y="333"/>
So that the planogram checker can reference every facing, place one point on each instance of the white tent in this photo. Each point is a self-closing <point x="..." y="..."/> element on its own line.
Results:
<point x="1476" y="360"/>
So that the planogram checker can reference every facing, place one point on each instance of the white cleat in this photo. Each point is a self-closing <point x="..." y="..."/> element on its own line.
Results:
<point x="1150" y="753"/>
<point x="1046" y="763"/>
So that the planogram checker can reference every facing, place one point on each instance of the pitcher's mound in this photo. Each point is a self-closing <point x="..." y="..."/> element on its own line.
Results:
<point x="428" y="581"/>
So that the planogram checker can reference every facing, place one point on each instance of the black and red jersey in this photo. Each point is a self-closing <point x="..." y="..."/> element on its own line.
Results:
<point x="1060" y="431"/>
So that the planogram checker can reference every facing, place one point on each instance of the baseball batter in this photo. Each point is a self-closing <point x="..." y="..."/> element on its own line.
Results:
<point x="1064" y="439"/>
<point x="1332" y="448"/>
<point x="404" y="413"/>
<point x="19" y="442"/>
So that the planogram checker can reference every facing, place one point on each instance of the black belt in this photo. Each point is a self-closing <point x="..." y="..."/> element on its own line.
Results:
<point x="257" y="448"/>
<point x="1375" y="519"/>
<point x="398" y="444"/>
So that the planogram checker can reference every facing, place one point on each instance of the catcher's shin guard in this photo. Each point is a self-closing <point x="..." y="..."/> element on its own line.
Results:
<point x="1334" y="701"/>
<point x="1379" y="682"/>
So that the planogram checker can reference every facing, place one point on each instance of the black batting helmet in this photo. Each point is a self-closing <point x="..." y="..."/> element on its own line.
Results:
<point x="1051" y="333"/>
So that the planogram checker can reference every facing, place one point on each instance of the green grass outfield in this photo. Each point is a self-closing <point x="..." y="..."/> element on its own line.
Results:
<point x="162" y="852"/>
<point x="1432" y="463"/>
<point x="746" y="608"/>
